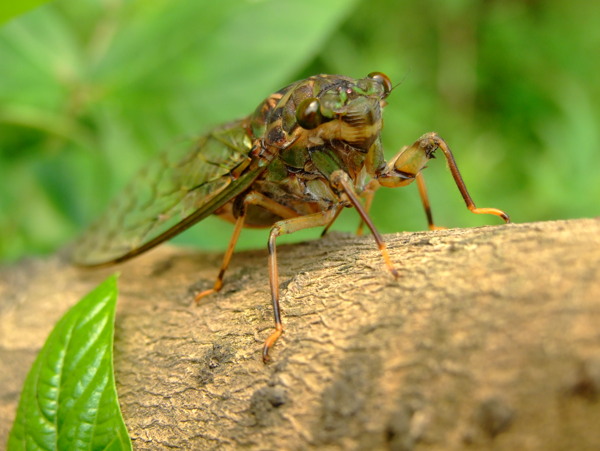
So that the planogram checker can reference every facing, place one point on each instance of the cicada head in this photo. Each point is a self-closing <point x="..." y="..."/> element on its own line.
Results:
<point x="344" y="109"/>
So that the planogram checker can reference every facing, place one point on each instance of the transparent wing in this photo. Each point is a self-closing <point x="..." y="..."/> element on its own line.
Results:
<point x="178" y="189"/>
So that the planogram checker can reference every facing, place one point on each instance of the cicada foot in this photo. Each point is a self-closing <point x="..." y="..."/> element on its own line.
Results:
<point x="270" y="342"/>
<point x="218" y="283"/>
<point x="239" y="224"/>
<point x="490" y="211"/>
<point x="205" y="293"/>
<point x="388" y="261"/>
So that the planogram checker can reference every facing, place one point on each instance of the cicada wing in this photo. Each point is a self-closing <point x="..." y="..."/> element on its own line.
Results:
<point x="178" y="189"/>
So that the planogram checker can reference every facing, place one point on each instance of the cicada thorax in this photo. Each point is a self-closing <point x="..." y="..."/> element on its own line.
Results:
<point x="304" y="151"/>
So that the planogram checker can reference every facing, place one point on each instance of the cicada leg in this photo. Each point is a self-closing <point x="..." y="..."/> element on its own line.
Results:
<point x="328" y="226"/>
<point x="368" y="194"/>
<point x="441" y="144"/>
<point x="239" y="225"/>
<point x="425" y="201"/>
<point x="407" y="165"/>
<point x="341" y="181"/>
<point x="283" y="227"/>
<point x="251" y="198"/>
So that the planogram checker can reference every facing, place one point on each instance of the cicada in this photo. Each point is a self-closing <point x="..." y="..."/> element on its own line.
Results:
<point x="308" y="151"/>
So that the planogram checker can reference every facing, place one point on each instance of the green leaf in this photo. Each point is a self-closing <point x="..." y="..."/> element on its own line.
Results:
<point x="125" y="79"/>
<point x="8" y="10"/>
<point x="69" y="400"/>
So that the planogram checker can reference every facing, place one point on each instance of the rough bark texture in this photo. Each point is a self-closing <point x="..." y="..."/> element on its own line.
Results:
<point x="490" y="338"/>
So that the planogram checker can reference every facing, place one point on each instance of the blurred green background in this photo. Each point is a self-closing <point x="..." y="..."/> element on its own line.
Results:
<point x="90" y="89"/>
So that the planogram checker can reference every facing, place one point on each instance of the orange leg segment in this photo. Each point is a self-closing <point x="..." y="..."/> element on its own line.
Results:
<point x="425" y="201"/>
<point x="239" y="225"/>
<point x="281" y="228"/>
<point x="252" y="198"/>
<point x="342" y="182"/>
<point x="441" y="144"/>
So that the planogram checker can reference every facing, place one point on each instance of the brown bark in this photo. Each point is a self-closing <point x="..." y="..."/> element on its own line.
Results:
<point x="491" y="337"/>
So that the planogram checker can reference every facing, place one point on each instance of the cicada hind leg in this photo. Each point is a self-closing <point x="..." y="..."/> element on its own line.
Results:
<point x="284" y="227"/>
<point x="241" y="207"/>
<point x="239" y="225"/>
<point x="290" y="224"/>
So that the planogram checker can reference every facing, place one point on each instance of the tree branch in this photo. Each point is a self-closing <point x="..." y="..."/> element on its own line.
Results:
<point x="490" y="335"/>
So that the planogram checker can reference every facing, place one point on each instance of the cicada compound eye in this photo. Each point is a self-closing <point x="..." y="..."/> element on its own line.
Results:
<point x="384" y="80"/>
<point x="308" y="114"/>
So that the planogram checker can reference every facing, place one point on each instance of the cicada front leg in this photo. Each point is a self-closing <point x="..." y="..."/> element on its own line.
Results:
<point x="341" y="181"/>
<point x="425" y="201"/>
<point x="406" y="166"/>
<point x="368" y="194"/>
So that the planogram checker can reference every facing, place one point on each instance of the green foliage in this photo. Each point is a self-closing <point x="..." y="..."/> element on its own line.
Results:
<point x="69" y="400"/>
<point x="8" y="10"/>
<point x="89" y="90"/>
